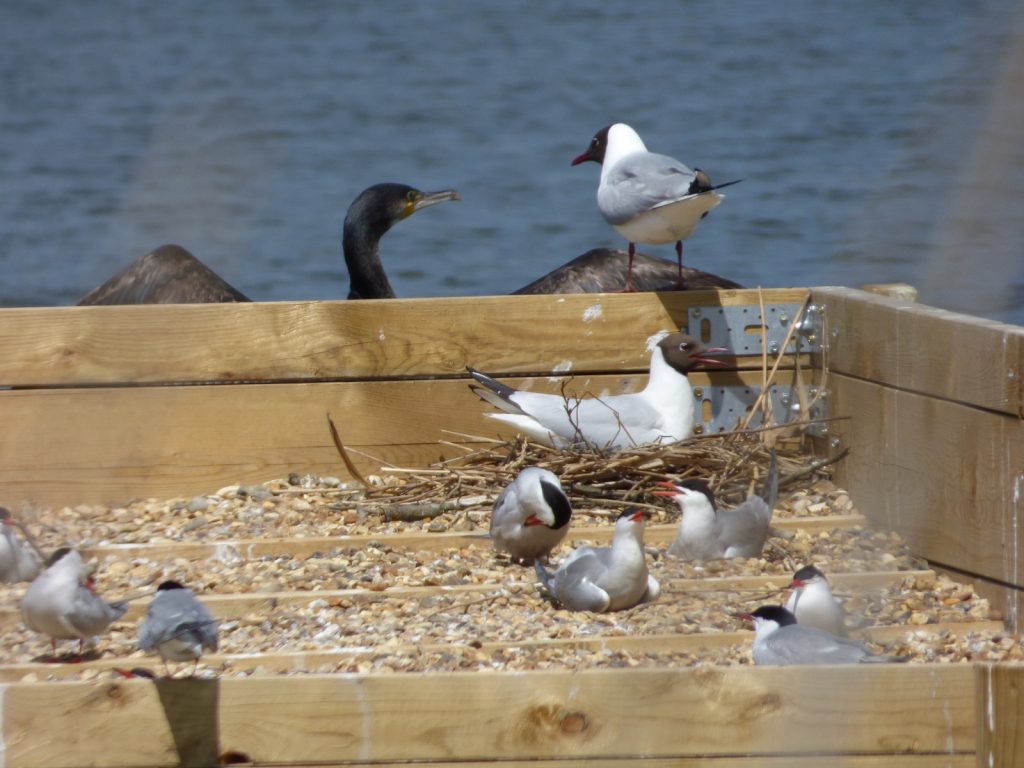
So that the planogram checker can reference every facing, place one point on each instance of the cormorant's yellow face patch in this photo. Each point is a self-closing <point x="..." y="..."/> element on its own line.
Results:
<point x="411" y="198"/>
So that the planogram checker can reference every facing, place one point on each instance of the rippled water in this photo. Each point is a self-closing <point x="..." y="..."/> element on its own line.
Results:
<point x="877" y="141"/>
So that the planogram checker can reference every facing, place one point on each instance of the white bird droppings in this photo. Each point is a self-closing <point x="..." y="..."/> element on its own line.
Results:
<point x="592" y="312"/>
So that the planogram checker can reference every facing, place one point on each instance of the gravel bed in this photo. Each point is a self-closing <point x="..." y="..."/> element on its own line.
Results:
<point x="403" y="633"/>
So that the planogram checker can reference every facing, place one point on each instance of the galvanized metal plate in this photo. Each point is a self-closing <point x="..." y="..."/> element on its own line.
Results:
<point x="738" y="328"/>
<point x="724" y="408"/>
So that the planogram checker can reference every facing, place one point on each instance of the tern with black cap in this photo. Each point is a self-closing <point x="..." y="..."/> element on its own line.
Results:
<point x="177" y="626"/>
<point x="779" y="641"/>
<point x="813" y="603"/>
<point x="530" y="516"/>
<point x="707" y="533"/>
<point x="603" y="579"/>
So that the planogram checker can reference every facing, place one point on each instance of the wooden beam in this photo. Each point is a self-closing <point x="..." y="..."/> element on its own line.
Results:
<point x="941" y="760"/>
<point x="226" y="606"/>
<point x="103" y="445"/>
<point x="597" y="714"/>
<point x="304" y="341"/>
<point x="922" y="349"/>
<point x="284" y="662"/>
<point x="1000" y="711"/>
<point x="948" y="477"/>
<point x="424" y="542"/>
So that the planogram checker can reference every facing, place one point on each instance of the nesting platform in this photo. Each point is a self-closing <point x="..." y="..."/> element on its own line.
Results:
<point x="110" y="404"/>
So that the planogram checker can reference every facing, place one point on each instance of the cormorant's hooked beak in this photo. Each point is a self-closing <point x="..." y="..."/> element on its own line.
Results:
<point x="428" y="199"/>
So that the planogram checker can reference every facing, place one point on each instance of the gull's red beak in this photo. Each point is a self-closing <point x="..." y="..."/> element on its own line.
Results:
<point x="710" y="351"/>
<point x="532" y="520"/>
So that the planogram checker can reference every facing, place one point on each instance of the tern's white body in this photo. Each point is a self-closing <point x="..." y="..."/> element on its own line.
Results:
<point x="59" y="605"/>
<point x="531" y="516"/>
<point x="178" y="626"/>
<point x="605" y="578"/>
<point x="788" y="644"/>
<point x="814" y="605"/>
<point x="17" y="561"/>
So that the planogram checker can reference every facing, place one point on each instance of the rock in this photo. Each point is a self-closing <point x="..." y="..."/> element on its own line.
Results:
<point x="198" y="504"/>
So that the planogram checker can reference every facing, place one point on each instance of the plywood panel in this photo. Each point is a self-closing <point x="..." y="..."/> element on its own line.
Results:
<point x="948" y="477"/>
<point x="111" y="444"/>
<point x="1000" y="707"/>
<point x="595" y="714"/>
<point x="926" y="350"/>
<point x="343" y="339"/>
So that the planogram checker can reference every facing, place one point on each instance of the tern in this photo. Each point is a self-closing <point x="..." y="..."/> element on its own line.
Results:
<point x="647" y="197"/>
<point x="709" y="534"/>
<point x="780" y="641"/>
<point x="604" y="579"/>
<point x="17" y="562"/>
<point x="530" y="516"/>
<point x="662" y="412"/>
<point x="177" y="626"/>
<point x="813" y="603"/>
<point x="60" y="605"/>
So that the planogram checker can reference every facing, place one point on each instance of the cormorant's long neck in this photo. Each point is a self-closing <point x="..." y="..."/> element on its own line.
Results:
<point x="367" y="279"/>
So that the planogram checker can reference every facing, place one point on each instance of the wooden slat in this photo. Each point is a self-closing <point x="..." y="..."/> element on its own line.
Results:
<point x="942" y="760"/>
<point x="926" y="350"/>
<point x="1000" y="712"/>
<point x="423" y="542"/>
<point x="350" y="339"/>
<point x="948" y="477"/>
<point x="285" y="662"/>
<point x="470" y="716"/>
<point x="236" y="605"/>
<point x="105" y="445"/>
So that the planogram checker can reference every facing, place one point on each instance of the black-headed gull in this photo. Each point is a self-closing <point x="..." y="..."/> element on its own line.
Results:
<point x="603" y="579"/>
<point x="531" y="515"/>
<point x="779" y="641"/>
<point x="706" y="533"/>
<point x="647" y="197"/>
<point x="177" y="626"/>
<point x="662" y="412"/>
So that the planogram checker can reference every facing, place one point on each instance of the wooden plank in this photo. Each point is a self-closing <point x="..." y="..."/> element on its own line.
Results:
<point x="949" y="478"/>
<point x="284" y="662"/>
<point x="236" y="605"/>
<point x="303" y="341"/>
<point x="416" y="541"/>
<point x="1000" y="711"/>
<point x="925" y="350"/>
<point x="655" y="713"/>
<point x="101" y="445"/>
<point x="942" y="760"/>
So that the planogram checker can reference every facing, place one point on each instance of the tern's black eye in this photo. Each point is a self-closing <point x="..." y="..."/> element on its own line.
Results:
<point x="685" y="346"/>
<point x="411" y="195"/>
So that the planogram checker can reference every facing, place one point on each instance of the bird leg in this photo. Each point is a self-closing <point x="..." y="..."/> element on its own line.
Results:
<point x="629" y="269"/>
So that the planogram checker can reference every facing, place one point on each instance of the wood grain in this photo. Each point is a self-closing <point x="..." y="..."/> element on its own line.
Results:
<point x="303" y="341"/>
<point x="307" y="661"/>
<point x="925" y="350"/>
<point x="949" y="478"/>
<point x="102" y="445"/>
<point x="1000" y="708"/>
<point x="655" y="713"/>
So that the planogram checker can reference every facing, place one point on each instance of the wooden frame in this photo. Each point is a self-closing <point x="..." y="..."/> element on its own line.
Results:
<point x="106" y="403"/>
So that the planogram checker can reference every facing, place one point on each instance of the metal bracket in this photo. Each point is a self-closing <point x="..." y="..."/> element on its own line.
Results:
<point x="738" y="328"/>
<point x="724" y="408"/>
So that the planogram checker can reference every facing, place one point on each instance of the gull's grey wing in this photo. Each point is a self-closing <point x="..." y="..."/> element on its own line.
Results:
<point x="794" y="644"/>
<point x="744" y="530"/>
<point x="640" y="182"/>
<point x="91" y="614"/>
<point x="574" y="585"/>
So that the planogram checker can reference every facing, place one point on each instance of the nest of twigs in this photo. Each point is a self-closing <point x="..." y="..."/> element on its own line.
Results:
<point x="734" y="464"/>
